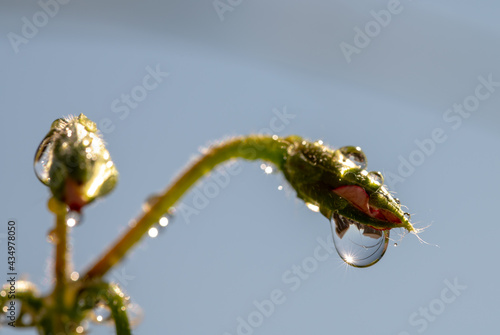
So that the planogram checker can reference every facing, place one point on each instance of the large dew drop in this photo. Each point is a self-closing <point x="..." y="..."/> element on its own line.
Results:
<point x="357" y="244"/>
<point x="355" y="155"/>
<point x="43" y="161"/>
<point x="73" y="218"/>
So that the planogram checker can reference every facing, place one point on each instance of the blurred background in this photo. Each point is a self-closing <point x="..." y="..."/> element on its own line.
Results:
<point x="415" y="84"/>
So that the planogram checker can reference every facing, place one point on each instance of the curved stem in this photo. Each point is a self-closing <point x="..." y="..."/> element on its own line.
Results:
<point x="115" y="300"/>
<point x="252" y="147"/>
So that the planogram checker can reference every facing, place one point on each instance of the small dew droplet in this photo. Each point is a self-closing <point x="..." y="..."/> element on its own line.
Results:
<point x="52" y="237"/>
<point x="150" y="201"/>
<point x="395" y="244"/>
<point x="280" y="188"/>
<point x="407" y="216"/>
<point x="74" y="276"/>
<point x="357" y="244"/>
<point x="73" y="218"/>
<point x="355" y="155"/>
<point x="376" y="177"/>
<point x="27" y="319"/>
<point x="163" y="221"/>
<point x="153" y="232"/>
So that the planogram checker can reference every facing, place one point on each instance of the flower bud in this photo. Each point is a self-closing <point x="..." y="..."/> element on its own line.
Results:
<point x="74" y="163"/>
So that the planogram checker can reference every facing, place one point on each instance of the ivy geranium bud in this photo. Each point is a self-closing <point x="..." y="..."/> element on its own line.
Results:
<point x="336" y="181"/>
<point x="74" y="163"/>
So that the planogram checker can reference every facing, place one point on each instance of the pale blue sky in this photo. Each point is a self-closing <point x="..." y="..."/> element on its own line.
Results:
<point x="210" y="270"/>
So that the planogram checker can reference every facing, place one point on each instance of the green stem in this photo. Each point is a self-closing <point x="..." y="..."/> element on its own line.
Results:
<point x="252" y="147"/>
<point x="114" y="298"/>
<point x="61" y="295"/>
<point x="60" y="269"/>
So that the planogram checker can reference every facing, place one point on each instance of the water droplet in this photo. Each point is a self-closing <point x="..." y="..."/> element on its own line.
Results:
<point x="376" y="177"/>
<point x="407" y="216"/>
<point x="150" y="201"/>
<point x="52" y="237"/>
<point x="74" y="276"/>
<point x="355" y="155"/>
<point x="275" y="137"/>
<point x="357" y="244"/>
<point x="80" y="329"/>
<point x="73" y="218"/>
<point x="313" y="207"/>
<point x="395" y="244"/>
<point x="397" y="201"/>
<point x="27" y="319"/>
<point x="280" y="188"/>
<point x="163" y="221"/>
<point x="135" y="314"/>
<point x="101" y="313"/>
<point x="268" y="169"/>
<point x="43" y="160"/>
<point x="153" y="232"/>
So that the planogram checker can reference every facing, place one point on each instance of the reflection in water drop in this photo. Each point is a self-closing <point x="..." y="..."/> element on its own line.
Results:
<point x="73" y="218"/>
<point x="357" y="244"/>
<point x="355" y="155"/>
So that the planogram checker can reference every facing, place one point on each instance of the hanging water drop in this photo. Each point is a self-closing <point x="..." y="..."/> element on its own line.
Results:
<point x="153" y="232"/>
<point x="43" y="160"/>
<point x="73" y="218"/>
<point x="407" y="216"/>
<point x="355" y="155"/>
<point x="376" y="177"/>
<point x="101" y="313"/>
<point x="357" y="244"/>
<point x="163" y="221"/>
<point x="395" y="244"/>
